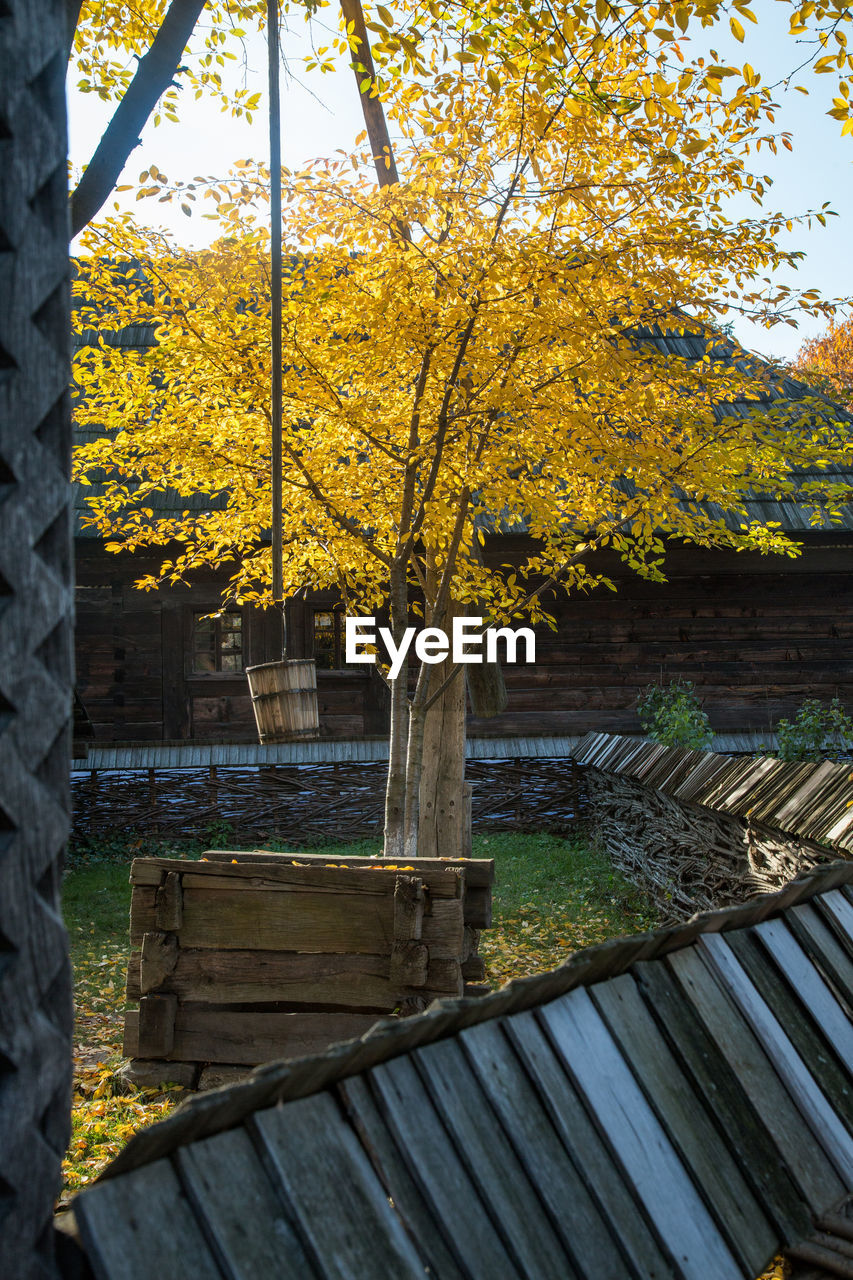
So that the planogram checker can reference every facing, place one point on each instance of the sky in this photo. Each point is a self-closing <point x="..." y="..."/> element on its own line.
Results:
<point x="321" y="114"/>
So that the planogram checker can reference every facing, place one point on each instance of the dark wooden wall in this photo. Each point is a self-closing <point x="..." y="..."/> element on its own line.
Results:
<point x="134" y="667"/>
<point x="755" y="634"/>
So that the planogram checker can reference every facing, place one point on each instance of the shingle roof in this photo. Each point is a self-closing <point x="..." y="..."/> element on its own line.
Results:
<point x="793" y="516"/>
<point x="811" y="800"/>
<point x="169" y="503"/>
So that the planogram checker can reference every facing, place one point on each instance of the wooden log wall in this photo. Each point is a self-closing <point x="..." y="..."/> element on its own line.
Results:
<point x="700" y="830"/>
<point x="754" y="633"/>
<point x="241" y="958"/>
<point x="308" y="804"/>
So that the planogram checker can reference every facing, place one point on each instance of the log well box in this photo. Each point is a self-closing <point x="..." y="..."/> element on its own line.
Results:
<point x="243" y="958"/>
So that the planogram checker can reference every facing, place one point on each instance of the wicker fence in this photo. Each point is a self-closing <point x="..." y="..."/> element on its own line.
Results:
<point x="307" y="804"/>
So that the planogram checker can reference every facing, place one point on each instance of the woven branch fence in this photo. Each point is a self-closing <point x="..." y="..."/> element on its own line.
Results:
<point x="308" y="804"/>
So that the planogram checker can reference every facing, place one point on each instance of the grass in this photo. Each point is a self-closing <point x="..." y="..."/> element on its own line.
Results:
<point x="551" y="897"/>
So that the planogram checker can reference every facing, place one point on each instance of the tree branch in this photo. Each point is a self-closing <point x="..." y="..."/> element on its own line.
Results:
<point x="153" y="77"/>
<point x="371" y="105"/>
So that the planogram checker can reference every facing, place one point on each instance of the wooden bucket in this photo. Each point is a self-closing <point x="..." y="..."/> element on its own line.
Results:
<point x="284" y="698"/>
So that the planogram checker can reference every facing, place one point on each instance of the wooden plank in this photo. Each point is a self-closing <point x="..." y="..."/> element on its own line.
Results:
<point x="255" y="977"/>
<point x="317" y="879"/>
<point x="408" y="907"/>
<point x="824" y="950"/>
<point x="813" y="1105"/>
<point x="338" y="1201"/>
<point x="142" y="918"/>
<point x="401" y="1188"/>
<point x="168" y="903"/>
<point x="149" y="1073"/>
<point x="409" y="965"/>
<point x="440" y="1175"/>
<point x="130" y="1041"/>
<point x="590" y="1055"/>
<point x="248" y="1225"/>
<point x="409" y="956"/>
<point x="809" y="1168"/>
<point x="838" y="908"/>
<point x="362" y="924"/>
<point x="479" y="872"/>
<point x="142" y="1226"/>
<point x="249" y="1037"/>
<point x="157" y="960"/>
<point x="631" y="1231"/>
<point x="812" y="990"/>
<point x="491" y="1162"/>
<point x="443" y="930"/>
<point x="328" y="876"/>
<point x="142" y="872"/>
<point x="218" y="1075"/>
<point x="716" y="1084"/>
<point x="749" y="1233"/>
<point x="156" y="1026"/>
<point x="584" y="1232"/>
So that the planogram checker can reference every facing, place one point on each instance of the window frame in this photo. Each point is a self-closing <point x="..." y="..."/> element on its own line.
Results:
<point x="336" y="611"/>
<point x="218" y="672"/>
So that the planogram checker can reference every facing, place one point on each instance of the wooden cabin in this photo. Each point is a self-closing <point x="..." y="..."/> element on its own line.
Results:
<point x="756" y="634"/>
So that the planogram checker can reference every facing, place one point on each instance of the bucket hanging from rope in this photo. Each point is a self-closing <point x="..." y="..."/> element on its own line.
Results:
<point x="284" y="693"/>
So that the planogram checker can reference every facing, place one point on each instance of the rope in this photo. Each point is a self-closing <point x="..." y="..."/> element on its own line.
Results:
<point x="275" y="310"/>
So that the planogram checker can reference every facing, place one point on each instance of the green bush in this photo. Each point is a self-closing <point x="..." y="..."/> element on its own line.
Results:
<point x="818" y="732"/>
<point x="672" y="714"/>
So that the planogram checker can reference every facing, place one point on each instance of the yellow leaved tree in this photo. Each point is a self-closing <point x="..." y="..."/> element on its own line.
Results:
<point x="470" y="349"/>
<point x="827" y="362"/>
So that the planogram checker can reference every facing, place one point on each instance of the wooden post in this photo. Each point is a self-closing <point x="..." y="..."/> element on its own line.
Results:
<point x="35" y="632"/>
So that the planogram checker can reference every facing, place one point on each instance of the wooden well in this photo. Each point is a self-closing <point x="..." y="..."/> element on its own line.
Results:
<point x="242" y="958"/>
<point x="284" y="699"/>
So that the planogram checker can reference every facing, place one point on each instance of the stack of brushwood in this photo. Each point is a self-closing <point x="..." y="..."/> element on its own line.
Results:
<point x="698" y="830"/>
<point x="241" y="958"/>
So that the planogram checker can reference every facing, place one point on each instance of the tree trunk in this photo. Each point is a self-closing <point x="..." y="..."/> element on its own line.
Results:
<point x="414" y="765"/>
<point x="36" y="662"/>
<point x="395" y="789"/>
<point x="442" y="808"/>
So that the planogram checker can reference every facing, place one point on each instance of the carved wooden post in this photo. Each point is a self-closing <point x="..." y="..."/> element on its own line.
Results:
<point x="35" y="631"/>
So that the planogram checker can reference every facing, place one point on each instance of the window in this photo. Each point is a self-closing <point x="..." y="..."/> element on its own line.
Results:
<point x="329" y="639"/>
<point x="217" y="643"/>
